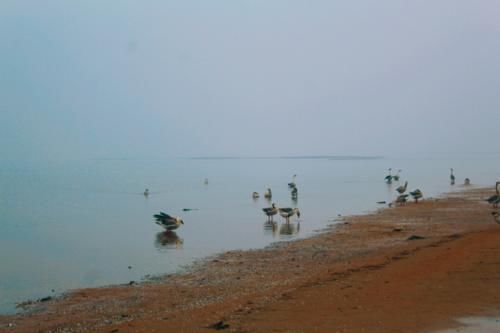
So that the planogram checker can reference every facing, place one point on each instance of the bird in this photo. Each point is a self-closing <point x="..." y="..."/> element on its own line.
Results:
<point x="452" y="177"/>
<point x="396" y="176"/>
<point x="168" y="222"/>
<point x="295" y="193"/>
<point x="496" y="216"/>
<point x="146" y="192"/>
<point x="270" y="211"/>
<point x="495" y="199"/>
<point x="417" y="194"/>
<point x="292" y="183"/>
<point x="402" y="189"/>
<point x="268" y="194"/>
<point x="401" y="199"/>
<point x="286" y="213"/>
<point x="255" y="195"/>
<point x="467" y="182"/>
<point x="388" y="178"/>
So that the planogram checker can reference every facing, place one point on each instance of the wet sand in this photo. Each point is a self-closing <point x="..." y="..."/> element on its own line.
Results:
<point x="366" y="274"/>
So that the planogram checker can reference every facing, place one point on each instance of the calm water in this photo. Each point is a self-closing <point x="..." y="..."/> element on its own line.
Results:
<point x="83" y="224"/>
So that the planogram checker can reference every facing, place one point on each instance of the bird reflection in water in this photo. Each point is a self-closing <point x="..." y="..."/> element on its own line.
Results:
<point x="289" y="229"/>
<point x="271" y="227"/>
<point x="168" y="240"/>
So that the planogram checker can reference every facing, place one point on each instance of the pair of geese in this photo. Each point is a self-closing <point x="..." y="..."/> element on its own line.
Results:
<point x="402" y="198"/>
<point x="286" y="213"/>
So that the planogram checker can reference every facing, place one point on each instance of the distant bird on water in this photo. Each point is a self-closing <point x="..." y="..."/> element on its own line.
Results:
<point x="417" y="194"/>
<point x="168" y="222"/>
<point x="289" y="212"/>
<point x="270" y="211"/>
<point x="295" y="193"/>
<point x="146" y="192"/>
<point x="268" y="194"/>
<point x="467" y="182"/>
<point x="292" y="183"/>
<point x="396" y="176"/>
<point x="255" y="195"/>
<point x="402" y="189"/>
<point x="388" y="178"/>
<point x="452" y="177"/>
<point x="495" y="199"/>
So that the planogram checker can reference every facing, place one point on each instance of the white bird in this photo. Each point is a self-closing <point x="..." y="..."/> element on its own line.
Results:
<point x="168" y="222"/>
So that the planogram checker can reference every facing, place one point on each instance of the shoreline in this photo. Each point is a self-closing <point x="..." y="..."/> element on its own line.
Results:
<point x="331" y="281"/>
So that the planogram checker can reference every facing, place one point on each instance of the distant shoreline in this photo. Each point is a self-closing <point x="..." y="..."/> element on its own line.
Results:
<point x="312" y="157"/>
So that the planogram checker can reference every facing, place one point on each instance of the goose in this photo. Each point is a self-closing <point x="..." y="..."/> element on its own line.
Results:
<point x="286" y="213"/>
<point x="467" y="182"/>
<point x="388" y="178"/>
<point x="495" y="199"/>
<point x="255" y="195"/>
<point x="268" y="194"/>
<point x="417" y="194"/>
<point x="402" y="189"/>
<point x="401" y="199"/>
<point x="168" y="222"/>
<point x="146" y="192"/>
<point x="295" y="193"/>
<point x="292" y="184"/>
<point x="396" y="176"/>
<point x="452" y="177"/>
<point x="270" y="211"/>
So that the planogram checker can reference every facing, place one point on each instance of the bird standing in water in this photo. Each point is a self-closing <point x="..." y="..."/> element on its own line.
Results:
<point x="388" y="178"/>
<point x="402" y="189"/>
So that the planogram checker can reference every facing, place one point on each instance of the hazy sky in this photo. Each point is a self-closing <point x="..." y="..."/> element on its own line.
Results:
<point x="143" y="79"/>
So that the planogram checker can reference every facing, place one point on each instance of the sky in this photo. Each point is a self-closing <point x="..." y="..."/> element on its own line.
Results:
<point x="159" y="78"/>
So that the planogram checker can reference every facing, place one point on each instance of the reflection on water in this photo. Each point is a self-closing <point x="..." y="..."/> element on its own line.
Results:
<point x="289" y="229"/>
<point x="270" y="228"/>
<point x="168" y="240"/>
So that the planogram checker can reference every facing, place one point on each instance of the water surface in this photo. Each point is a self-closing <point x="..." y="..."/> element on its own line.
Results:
<point x="87" y="223"/>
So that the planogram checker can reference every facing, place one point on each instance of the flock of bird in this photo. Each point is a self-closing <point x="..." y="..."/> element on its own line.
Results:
<point x="402" y="197"/>
<point x="173" y="222"/>
<point x="285" y="212"/>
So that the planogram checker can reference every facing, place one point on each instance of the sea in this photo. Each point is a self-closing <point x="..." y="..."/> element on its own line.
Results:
<point x="73" y="224"/>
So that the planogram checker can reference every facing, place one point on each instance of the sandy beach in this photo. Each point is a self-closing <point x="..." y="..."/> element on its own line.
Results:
<point x="414" y="268"/>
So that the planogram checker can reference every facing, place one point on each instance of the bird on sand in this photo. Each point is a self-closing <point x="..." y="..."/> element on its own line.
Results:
<point x="270" y="211"/>
<point x="495" y="199"/>
<point x="417" y="194"/>
<point x="402" y="199"/>
<point x="452" y="177"/>
<point x="286" y="213"/>
<point x="402" y="189"/>
<point x="168" y="222"/>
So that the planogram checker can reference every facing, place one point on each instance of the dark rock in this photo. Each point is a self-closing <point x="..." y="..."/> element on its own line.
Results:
<point x="415" y="237"/>
<point x="45" y="299"/>
<point x="220" y="325"/>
